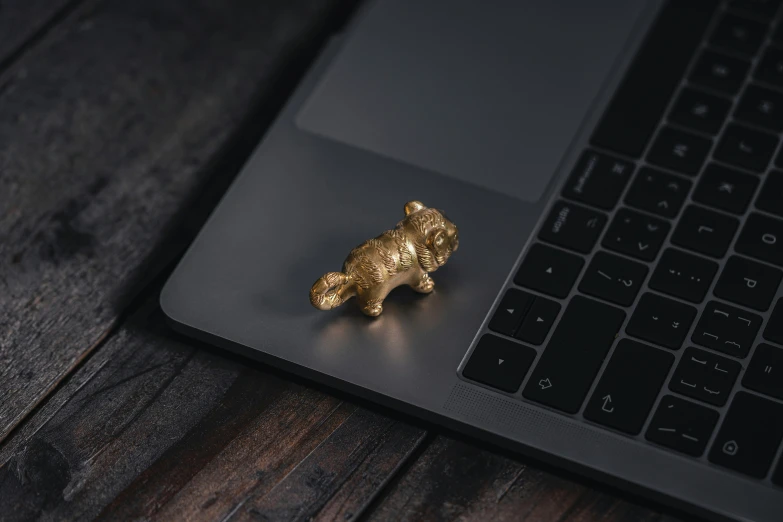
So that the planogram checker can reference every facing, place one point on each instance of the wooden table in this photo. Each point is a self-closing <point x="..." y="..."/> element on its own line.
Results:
<point x="121" y="123"/>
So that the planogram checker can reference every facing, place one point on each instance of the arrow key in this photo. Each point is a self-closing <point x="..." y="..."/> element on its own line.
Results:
<point x="629" y="386"/>
<point x="499" y="363"/>
<point x="511" y="311"/>
<point x="539" y="321"/>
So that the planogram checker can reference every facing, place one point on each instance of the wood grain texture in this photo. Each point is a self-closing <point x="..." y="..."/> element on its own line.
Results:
<point x="22" y="21"/>
<point x="107" y="127"/>
<point x="156" y="427"/>
<point x="455" y="480"/>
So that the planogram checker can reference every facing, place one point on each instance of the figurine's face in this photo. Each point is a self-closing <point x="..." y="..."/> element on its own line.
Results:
<point x="444" y="241"/>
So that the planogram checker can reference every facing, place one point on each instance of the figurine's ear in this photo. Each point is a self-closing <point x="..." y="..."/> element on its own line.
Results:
<point x="437" y="240"/>
<point x="413" y="206"/>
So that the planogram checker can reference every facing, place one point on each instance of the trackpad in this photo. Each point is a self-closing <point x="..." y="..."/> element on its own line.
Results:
<point x="488" y="92"/>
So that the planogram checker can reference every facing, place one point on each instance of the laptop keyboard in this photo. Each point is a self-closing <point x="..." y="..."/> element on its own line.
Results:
<point x="649" y="303"/>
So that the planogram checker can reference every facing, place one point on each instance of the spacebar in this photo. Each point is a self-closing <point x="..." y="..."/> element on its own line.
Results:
<point x="574" y="354"/>
<point x="648" y="86"/>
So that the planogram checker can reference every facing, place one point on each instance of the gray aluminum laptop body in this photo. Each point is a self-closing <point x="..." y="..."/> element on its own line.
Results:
<point x="477" y="108"/>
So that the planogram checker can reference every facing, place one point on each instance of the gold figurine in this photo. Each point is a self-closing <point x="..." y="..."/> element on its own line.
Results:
<point x="405" y="255"/>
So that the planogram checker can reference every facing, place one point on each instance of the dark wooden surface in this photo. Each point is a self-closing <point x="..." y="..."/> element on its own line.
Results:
<point x="121" y="123"/>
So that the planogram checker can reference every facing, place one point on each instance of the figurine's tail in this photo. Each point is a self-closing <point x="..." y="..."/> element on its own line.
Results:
<point x="331" y="290"/>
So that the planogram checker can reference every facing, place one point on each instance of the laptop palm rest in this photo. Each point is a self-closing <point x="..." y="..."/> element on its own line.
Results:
<point x="495" y="99"/>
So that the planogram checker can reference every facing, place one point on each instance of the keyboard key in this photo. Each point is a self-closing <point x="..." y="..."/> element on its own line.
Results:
<point x="499" y="363"/>
<point x="765" y="371"/>
<point x="777" y="477"/>
<point x="748" y="283"/>
<point x="661" y="321"/>
<point x="549" y="271"/>
<point x="598" y="180"/>
<point x="770" y="68"/>
<point x="774" y="331"/>
<point x="705" y="231"/>
<point x="573" y="227"/>
<point x="510" y="312"/>
<point x="700" y="111"/>
<point x="539" y="321"/>
<point x="762" y="107"/>
<point x="682" y="426"/>
<point x="763" y="8"/>
<point x="644" y="94"/>
<point x="683" y="275"/>
<point x="726" y="189"/>
<point x="658" y="192"/>
<point x="613" y="278"/>
<point x="636" y="235"/>
<point x="679" y="150"/>
<point x="750" y="435"/>
<point x="739" y="35"/>
<point x="719" y="72"/>
<point x="771" y="196"/>
<point x="582" y="338"/>
<point x="746" y="148"/>
<point x="705" y="376"/>
<point x="762" y="238"/>
<point x="629" y="386"/>
<point x="727" y="329"/>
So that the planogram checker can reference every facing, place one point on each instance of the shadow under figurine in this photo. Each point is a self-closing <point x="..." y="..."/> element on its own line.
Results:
<point x="405" y="255"/>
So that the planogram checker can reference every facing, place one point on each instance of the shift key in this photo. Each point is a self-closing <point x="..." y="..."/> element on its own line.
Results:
<point x="574" y="355"/>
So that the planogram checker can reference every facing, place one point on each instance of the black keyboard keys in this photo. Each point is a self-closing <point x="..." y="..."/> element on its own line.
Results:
<point x="539" y="320"/>
<point x="770" y="68"/>
<point x="719" y="72"/>
<point x="750" y="435"/>
<point x="726" y="189"/>
<point x="510" y="312"/>
<point x="762" y="107"/>
<point x="765" y="9"/>
<point x="771" y="196"/>
<point x="700" y="111"/>
<point x="746" y="148"/>
<point x="727" y="329"/>
<point x="748" y="283"/>
<point x="762" y="238"/>
<point x="644" y="94"/>
<point x="662" y="321"/>
<point x="549" y="271"/>
<point x="679" y="150"/>
<point x="499" y="363"/>
<point x="705" y="231"/>
<point x="629" y="386"/>
<point x="774" y="330"/>
<point x="683" y="275"/>
<point x="573" y="227"/>
<point x="739" y="35"/>
<point x="598" y="180"/>
<point x="705" y="376"/>
<point x="765" y="371"/>
<point x="658" y="192"/>
<point x="613" y="278"/>
<point x="682" y="426"/>
<point x="581" y="340"/>
<point x="636" y="235"/>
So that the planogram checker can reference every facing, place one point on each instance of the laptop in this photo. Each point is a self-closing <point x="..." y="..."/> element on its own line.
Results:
<point x="615" y="171"/>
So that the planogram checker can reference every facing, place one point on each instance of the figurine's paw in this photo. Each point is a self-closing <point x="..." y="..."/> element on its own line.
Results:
<point x="373" y="309"/>
<point x="425" y="286"/>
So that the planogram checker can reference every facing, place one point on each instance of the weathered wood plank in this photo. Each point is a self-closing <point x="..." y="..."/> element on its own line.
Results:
<point x="105" y="130"/>
<point x="455" y="480"/>
<point x="157" y="427"/>
<point x="24" y="20"/>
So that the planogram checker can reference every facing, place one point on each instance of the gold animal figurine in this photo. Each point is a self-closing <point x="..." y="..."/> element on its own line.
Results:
<point x="405" y="255"/>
